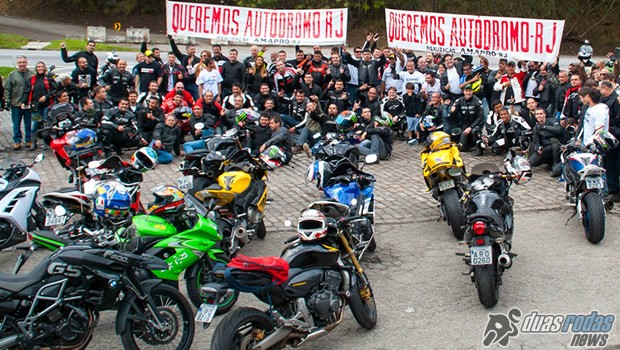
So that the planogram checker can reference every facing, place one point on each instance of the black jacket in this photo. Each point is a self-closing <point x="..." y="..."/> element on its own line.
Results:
<point x="259" y="136"/>
<point x="89" y="76"/>
<point x="469" y="113"/>
<point x="170" y="137"/>
<point x="120" y="83"/>
<point x="544" y="134"/>
<point x="37" y="87"/>
<point x="145" y="124"/>
<point x="232" y="73"/>
<point x="367" y="71"/>
<point x="281" y="139"/>
<point x="614" y="113"/>
<point x="115" y="118"/>
<point x="91" y="58"/>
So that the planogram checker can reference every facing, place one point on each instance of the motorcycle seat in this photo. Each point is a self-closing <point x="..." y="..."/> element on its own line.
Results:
<point x="17" y="282"/>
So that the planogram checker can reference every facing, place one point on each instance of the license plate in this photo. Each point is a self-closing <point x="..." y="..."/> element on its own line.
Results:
<point x="446" y="185"/>
<point x="186" y="182"/>
<point x="481" y="255"/>
<point x="205" y="313"/>
<point x="51" y="219"/>
<point x="594" y="182"/>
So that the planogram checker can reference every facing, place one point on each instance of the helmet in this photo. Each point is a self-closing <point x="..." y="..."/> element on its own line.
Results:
<point x="112" y="201"/>
<point x="385" y="119"/>
<point x="428" y="122"/>
<point x="83" y="139"/>
<point x="112" y="57"/>
<point x="183" y="112"/>
<point x="61" y="111"/>
<point x="603" y="141"/>
<point x="246" y="115"/>
<point x="318" y="172"/>
<point x="519" y="166"/>
<point x="274" y="157"/>
<point x="438" y="140"/>
<point x="312" y="225"/>
<point x="167" y="198"/>
<point x="144" y="159"/>
<point x="346" y="120"/>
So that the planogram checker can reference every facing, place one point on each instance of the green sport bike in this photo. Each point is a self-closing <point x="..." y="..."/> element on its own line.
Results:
<point x="193" y="251"/>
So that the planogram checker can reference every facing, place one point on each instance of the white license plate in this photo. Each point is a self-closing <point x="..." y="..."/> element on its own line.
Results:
<point x="51" y="219"/>
<point x="205" y="313"/>
<point x="446" y="185"/>
<point x="481" y="255"/>
<point x="594" y="182"/>
<point x="186" y="182"/>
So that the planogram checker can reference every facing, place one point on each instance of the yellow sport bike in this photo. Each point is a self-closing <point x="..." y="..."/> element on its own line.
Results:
<point x="237" y="199"/>
<point x="445" y="177"/>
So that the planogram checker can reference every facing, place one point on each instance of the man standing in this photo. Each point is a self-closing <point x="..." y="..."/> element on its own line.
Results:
<point x="117" y="82"/>
<point x="15" y="87"/>
<point x="233" y="71"/>
<point x="89" y="55"/>
<point x="596" y="117"/>
<point x="189" y="61"/>
<point x="148" y="71"/>
<point x="84" y="77"/>
<point x="172" y="73"/>
<point x="612" y="158"/>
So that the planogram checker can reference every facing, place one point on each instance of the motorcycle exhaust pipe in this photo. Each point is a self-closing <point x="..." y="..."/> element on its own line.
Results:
<point x="9" y="342"/>
<point x="504" y="260"/>
<point x="241" y="234"/>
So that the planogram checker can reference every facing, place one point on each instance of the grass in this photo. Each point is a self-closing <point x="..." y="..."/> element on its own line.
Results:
<point x="80" y="45"/>
<point x="4" y="71"/>
<point x="12" y="41"/>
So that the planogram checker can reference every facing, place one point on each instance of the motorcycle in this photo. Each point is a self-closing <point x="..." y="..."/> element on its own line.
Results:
<point x="445" y="177"/>
<point x="237" y="201"/>
<point x="584" y="177"/>
<point x="57" y="304"/>
<point x="20" y="212"/>
<point x="307" y="289"/>
<point x="489" y="223"/>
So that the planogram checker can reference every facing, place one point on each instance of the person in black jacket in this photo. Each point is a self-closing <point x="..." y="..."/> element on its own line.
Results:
<point x="375" y="139"/>
<point x="279" y="143"/>
<point x="546" y="145"/>
<point x="148" y="118"/>
<point x="467" y="114"/>
<point x="612" y="158"/>
<point x="189" y="61"/>
<point x="233" y="71"/>
<point x="39" y="95"/>
<point x="69" y="87"/>
<point x="507" y="130"/>
<point x="117" y="82"/>
<point x="119" y="128"/>
<point x="84" y="77"/>
<point x="259" y="135"/>
<point x="167" y="139"/>
<point x="89" y="55"/>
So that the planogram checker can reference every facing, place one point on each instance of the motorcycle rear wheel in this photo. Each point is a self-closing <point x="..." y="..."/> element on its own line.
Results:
<point x="454" y="212"/>
<point x="238" y="328"/>
<point x="203" y="276"/>
<point x="363" y="308"/>
<point x="593" y="217"/>
<point x="177" y="315"/>
<point x="488" y="290"/>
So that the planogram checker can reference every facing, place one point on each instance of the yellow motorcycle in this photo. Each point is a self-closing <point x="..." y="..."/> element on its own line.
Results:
<point x="237" y="200"/>
<point x="445" y="177"/>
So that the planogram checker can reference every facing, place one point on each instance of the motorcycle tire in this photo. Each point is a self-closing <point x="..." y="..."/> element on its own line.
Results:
<point x="175" y="310"/>
<point x="203" y="276"/>
<point x="454" y="212"/>
<point x="199" y="184"/>
<point x="593" y="217"/>
<point x="238" y="325"/>
<point x="261" y="230"/>
<point x="488" y="290"/>
<point x="372" y="245"/>
<point x="364" y="311"/>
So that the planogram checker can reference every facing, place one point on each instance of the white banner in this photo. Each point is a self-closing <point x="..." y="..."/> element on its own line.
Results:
<point x="257" y="26"/>
<point x="504" y="37"/>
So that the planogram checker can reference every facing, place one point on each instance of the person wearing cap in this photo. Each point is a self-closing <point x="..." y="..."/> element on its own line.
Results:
<point x="148" y="71"/>
<point x="468" y="115"/>
<point x="511" y="85"/>
<point x="391" y="73"/>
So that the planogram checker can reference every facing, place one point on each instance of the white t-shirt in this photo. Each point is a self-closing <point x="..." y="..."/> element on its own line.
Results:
<point x="416" y="78"/>
<point x="454" y="80"/>
<point x="431" y="88"/>
<point x="209" y="81"/>
<point x="596" y="118"/>
<point x="388" y="78"/>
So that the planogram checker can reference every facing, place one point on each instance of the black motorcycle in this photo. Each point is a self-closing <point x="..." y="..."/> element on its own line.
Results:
<point x="490" y="223"/>
<point x="307" y="288"/>
<point x="57" y="304"/>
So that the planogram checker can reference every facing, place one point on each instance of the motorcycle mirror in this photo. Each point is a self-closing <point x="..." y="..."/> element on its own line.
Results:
<point x="39" y="158"/>
<point x="199" y="126"/>
<point x="288" y="223"/>
<point x="94" y="164"/>
<point x="353" y="201"/>
<point x="59" y="210"/>
<point x="371" y="159"/>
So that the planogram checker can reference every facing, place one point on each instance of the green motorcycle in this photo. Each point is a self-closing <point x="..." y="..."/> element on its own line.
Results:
<point x="193" y="251"/>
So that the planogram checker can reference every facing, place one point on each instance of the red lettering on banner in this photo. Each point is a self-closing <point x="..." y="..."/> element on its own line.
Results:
<point x="478" y="34"/>
<point x="486" y="29"/>
<point x="505" y="38"/>
<point x="328" y="24"/>
<point x="298" y="20"/>
<point x="525" y="37"/>
<point x="215" y="25"/>
<point x="233" y="18"/>
<point x="339" y="33"/>
<point x="538" y="39"/>
<point x="190" y="18"/>
<point x="306" y="31"/>
<point x="317" y="24"/>
<point x="453" y="38"/>
<point x="198" y="19"/>
<point x="248" y="23"/>
<point x="442" y="38"/>
<point x="549" y="48"/>
<point x="469" y="28"/>
<point x="289" y="25"/>
<point x="273" y="23"/>
<point x="282" y="25"/>
<point x="514" y="36"/>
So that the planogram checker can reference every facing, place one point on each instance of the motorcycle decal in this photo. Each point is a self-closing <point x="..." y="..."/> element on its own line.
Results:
<point x="58" y="268"/>
<point x="228" y="182"/>
<point x="117" y="257"/>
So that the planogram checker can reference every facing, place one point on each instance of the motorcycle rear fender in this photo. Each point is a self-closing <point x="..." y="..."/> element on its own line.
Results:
<point x="20" y="200"/>
<point x="130" y="301"/>
<point x="488" y="241"/>
<point x="590" y="170"/>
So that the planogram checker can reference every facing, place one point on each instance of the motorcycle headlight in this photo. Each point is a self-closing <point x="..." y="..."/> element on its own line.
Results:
<point x="455" y="172"/>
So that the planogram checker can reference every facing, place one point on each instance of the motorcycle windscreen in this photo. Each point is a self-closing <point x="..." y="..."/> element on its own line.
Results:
<point x="343" y="193"/>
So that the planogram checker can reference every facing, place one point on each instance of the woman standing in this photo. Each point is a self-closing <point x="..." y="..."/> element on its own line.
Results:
<point x="257" y="75"/>
<point x="39" y="95"/>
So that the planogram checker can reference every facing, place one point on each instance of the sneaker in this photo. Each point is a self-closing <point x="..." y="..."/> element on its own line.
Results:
<point x="479" y="152"/>
<point x="412" y="142"/>
<point x="17" y="146"/>
<point x="307" y="150"/>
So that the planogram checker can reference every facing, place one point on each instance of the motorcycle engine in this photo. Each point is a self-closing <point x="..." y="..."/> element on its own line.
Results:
<point x="325" y="302"/>
<point x="68" y="325"/>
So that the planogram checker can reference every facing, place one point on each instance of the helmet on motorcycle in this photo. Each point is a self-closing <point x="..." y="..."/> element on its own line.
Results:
<point x="112" y="57"/>
<point x="346" y="120"/>
<point x="518" y="166"/>
<point x="603" y="141"/>
<point x="318" y="172"/>
<point x="112" y="201"/>
<point x="167" y="198"/>
<point x="144" y="159"/>
<point x="246" y="115"/>
<point x="61" y="111"/>
<point x="385" y="119"/>
<point x="428" y="122"/>
<point x="82" y="139"/>
<point x="438" y="140"/>
<point x="312" y="225"/>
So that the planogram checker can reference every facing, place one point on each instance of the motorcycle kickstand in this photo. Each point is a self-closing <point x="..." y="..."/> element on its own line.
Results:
<point x="569" y="219"/>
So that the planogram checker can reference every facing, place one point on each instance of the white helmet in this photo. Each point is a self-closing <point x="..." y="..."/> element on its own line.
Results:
<point x="312" y="225"/>
<point x="318" y="173"/>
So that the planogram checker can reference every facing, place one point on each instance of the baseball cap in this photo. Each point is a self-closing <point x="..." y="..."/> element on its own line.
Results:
<point x="148" y="53"/>
<point x="467" y="87"/>
<point x="391" y="56"/>
<point x="512" y="63"/>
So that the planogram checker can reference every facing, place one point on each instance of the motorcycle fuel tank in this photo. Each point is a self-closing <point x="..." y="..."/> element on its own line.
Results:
<point x="148" y="225"/>
<point x="311" y="255"/>
<point x="234" y="181"/>
<point x="343" y="193"/>
<point x="303" y="283"/>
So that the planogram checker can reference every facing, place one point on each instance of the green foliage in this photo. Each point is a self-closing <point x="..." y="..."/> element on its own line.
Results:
<point x="12" y="41"/>
<point x="79" y="45"/>
<point x="4" y="71"/>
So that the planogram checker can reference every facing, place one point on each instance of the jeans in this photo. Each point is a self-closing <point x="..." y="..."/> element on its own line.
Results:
<point x="288" y="121"/>
<point x="373" y="146"/>
<point x="164" y="157"/>
<point x="303" y="137"/>
<point x="17" y="115"/>
<point x="190" y="146"/>
<point x="412" y="123"/>
<point x="612" y="165"/>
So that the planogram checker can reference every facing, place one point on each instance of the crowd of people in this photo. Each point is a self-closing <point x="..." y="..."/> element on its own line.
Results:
<point x="292" y="103"/>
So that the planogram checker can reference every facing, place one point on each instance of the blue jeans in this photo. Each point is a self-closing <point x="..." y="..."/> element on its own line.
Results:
<point x="17" y="115"/>
<point x="164" y="157"/>
<point x="412" y="123"/>
<point x="373" y="146"/>
<point x="191" y="146"/>
<point x="288" y="121"/>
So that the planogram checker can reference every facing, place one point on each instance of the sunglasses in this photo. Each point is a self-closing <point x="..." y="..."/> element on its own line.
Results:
<point x="358" y="51"/>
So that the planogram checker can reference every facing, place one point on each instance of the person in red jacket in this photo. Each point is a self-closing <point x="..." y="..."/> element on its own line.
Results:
<point x="187" y="97"/>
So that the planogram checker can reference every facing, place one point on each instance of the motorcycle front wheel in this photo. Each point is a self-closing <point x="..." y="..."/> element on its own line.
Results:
<point x="593" y="217"/>
<point x="203" y="276"/>
<point x="240" y="329"/>
<point x="454" y="212"/>
<point x="488" y="290"/>
<point x="362" y="302"/>
<point x="178" y="319"/>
